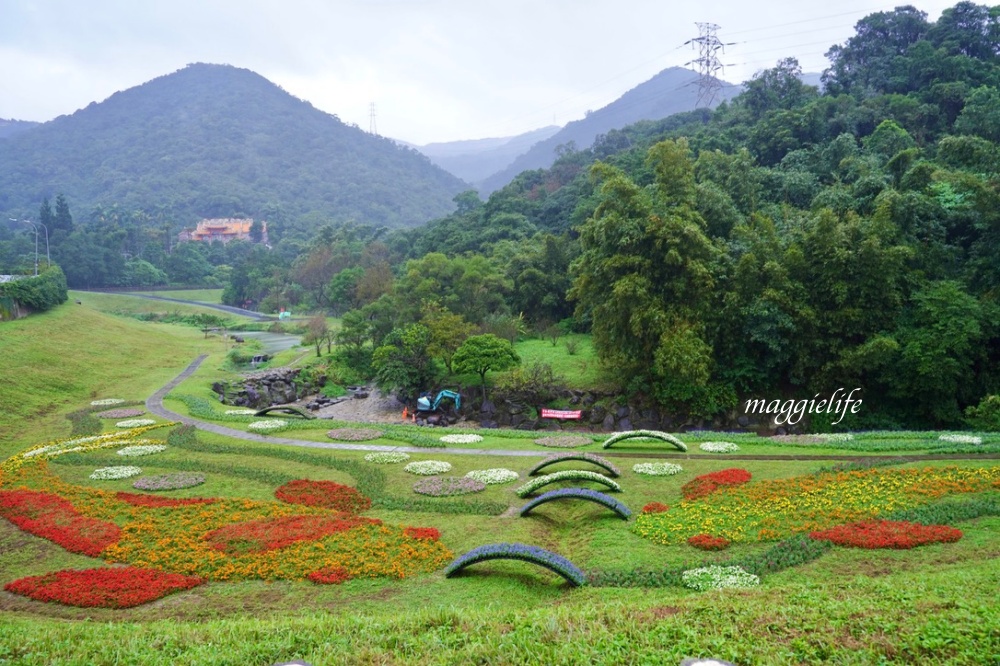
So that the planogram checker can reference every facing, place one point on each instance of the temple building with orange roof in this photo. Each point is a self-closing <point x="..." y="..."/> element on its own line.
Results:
<point x="222" y="229"/>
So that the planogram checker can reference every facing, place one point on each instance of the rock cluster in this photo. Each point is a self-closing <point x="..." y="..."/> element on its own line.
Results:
<point x="264" y="388"/>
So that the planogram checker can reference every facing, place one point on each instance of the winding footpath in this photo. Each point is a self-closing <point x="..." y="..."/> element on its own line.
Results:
<point x="154" y="404"/>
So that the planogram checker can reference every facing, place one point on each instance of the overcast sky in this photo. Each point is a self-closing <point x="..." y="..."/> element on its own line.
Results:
<point x="436" y="70"/>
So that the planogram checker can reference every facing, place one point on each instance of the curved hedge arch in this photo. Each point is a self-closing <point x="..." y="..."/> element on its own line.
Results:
<point x="655" y="434"/>
<point x="579" y="493"/>
<point x="568" y="475"/>
<point x="603" y="463"/>
<point x="519" y="551"/>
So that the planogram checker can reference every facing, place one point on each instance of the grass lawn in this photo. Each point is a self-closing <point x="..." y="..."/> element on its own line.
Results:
<point x="201" y="295"/>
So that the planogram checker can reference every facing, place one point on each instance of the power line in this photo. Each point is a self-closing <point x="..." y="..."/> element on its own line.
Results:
<point x="372" y="128"/>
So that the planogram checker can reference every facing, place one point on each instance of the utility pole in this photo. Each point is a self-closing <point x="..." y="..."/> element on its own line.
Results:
<point x="372" y="129"/>
<point x="709" y="45"/>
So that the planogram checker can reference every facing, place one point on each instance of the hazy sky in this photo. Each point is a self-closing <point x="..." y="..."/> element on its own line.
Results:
<point x="436" y="70"/>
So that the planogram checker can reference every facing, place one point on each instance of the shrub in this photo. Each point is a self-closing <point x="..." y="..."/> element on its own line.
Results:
<point x="325" y="494"/>
<point x="985" y="415"/>
<point x="603" y="463"/>
<point x="655" y="434"/>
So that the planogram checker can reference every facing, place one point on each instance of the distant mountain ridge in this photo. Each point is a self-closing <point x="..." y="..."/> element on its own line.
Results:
<point x="475" y="159"/>
<point x="218" y="141"/>
<point x="11" y="127"/>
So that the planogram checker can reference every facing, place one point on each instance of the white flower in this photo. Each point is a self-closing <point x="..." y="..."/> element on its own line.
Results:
<point x="716" y="578"/>
<point x="461" y="439"/>
<point x="141" y="449"/>
<point x="134" y="423"/>
<point x="240" y="412"/>
<point x="106" y="401"/>
<point x="387" y="457"/>
<point x="265" y="426"/>
<point x="961" y="439"/>
<point x="428" y="467"/>
<point x="494" y="476"/>
<point x="719" y="447"/>
<point x="113" y="473"/>
<point x="837" y="436"/>
<point x="657" y="469"/>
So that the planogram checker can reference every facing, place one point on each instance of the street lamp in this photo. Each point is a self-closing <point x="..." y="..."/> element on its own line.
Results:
<point x="48" y="258"/>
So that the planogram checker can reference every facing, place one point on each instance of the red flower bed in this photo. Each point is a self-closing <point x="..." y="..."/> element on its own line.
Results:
<point x="431" y="533"/>
<point x="706" y="484"/>
<point x="139" y="499"/>
<point x="655" y="507"/>
<point x="326" y="494"/>
<point x="329" y="575"/>
<point x="261" y="535"/>
<point x="123" y="587"/>
<point x="51" y="517"/>
<point x="887" y="534"/>
<point x="708" y="542"/>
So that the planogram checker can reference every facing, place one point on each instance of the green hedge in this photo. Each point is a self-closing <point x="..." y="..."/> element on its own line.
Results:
<point x="40" y="293"/>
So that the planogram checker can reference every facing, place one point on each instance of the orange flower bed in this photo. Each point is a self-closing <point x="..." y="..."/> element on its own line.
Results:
<point x="123" y="587"/>
<point x="153" y="501"/>
<point x="330" y="576"/>
<point x="431" y="533"/>
<point x="706" y="484"/>
<point x="655" y="507"/>
<point x="325" y="494"/>
<point x="708" y="542"/>
<point x="261" y="535"/>
<point x="900" y="535"/>
<point x="51" y="517"/>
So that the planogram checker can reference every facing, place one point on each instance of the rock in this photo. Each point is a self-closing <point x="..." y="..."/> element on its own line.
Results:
<point x="488" y="407"/>
<point x="743" y="421"/>
<point x="625" y="424"/>
<point x="360" y="394"/>
<point x="489" y="424"/>
<point x="609" y="423"/>
<point x="597" y="414"/>
<point x="623" y="411"/>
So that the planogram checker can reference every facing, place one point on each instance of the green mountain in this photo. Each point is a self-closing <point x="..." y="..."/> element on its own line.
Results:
<point x="474" y="160"/>
<point x="216" y="141"/>
<point x="11" y="127"/>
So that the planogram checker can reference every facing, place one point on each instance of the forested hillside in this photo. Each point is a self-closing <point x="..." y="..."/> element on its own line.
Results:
<point x="474" y="160"/>
<point x="217" y="141"/>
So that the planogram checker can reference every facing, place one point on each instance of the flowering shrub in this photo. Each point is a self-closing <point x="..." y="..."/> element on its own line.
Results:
<point x="654" y="434"/>
<point x="496" y="476"/>
<point x="706" y="484"/>
<point x="142" y="450"/>
<point x="387" y="457"/>
<point x="718" y="447"/>
<point x="519" y="551"/>
<point x="267" y="426"/>
<point x="134" y="423"/>
<point x="329" y="575"/>
<point x="431" y="533"/>
<point x="427" y="467"/>
<point x="718" y="578"/>
<point x="708" y="542"/>
<point x="174" y="481"/>
<point x="657" y="469"/>
<point x="123" y="413"/>
<point x="115" y="473"/>
<point x="240" y="412"/>
<point x="270" y="534"/>
<point x="655" y="507"/>
<point x="461" y="439"/>
<point x="103" y="588"/>
<point x="446" y="486"/>
<point x="899" y="535"/>
<point x="565" y="442"/>
<point x="106" y="401"/>
<point x="603" y="463"/>
<point x="569" y="475"/>
<point x="326" y="494"/>
<point x="961" y="439"/>
<point x="51" y="517"/>
<point x="579" y="493"/>
<point x="354" y="434"/>
<point x="152" y="501"/>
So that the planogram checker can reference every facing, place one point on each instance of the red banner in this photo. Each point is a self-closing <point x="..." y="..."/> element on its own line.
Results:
<point x="561" y="414"/>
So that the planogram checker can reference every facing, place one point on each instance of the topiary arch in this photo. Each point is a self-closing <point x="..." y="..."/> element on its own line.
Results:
<point x="518" y="551"/>
<point x="568" y="475"/>
<point x="579" y="493"/>
<point x="612" y="471"/>
<point x="655" y="434"/>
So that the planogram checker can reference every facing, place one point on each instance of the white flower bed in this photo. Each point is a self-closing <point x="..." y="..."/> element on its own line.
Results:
<point x="240" y="412"/>
<point x="267" y="426"/>
<point x="837" y="436"/>
<point x="657" y="469"/>
<point x="494" y="476"/>
<point x="106" y="401"/>
<point x="961" y="439"/>
<point x="141" y="450"/>
<point x="428" y="467"/>
<point x="461" y="439"/>
<point x="134" y="423"/>
<point x="387" y="457"/>
<point x="719" y="447"/>
<point x="718" y="578"/>
<point x="114" y="473"/>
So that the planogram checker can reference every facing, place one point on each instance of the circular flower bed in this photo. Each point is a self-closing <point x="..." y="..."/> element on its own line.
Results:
<point x="718" y="447"/>
<point x="494" y="476"/>
<point x="428" y="467"/>
<point x="446" y="486"/>
<point x="267" y="426"/>
<point x="708" y="542"/>
<point x="961" y="439"/>
<point x="718" y="578"/>
<point x="134" y="423"/>
<point x="240" y="412"/>
<point x="387" y="457"/>
<point x="115" y="473"/>
<point x="326" y="494"/>
<point x="174" y="481"/>
<point x="563" y="442"/>
<point x="657" y="469"/>
<point x="354" y="434"/>
<point x="141" y="450"/>
<point x="900" y="535"/>
<point x="106" y="402"/>
<point x="461" y="439"/>
<point x="123" y="413"/>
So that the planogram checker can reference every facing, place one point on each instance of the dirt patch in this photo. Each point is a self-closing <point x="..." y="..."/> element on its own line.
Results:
<point x="660" y="612"/>
<point x="376" y="408"/>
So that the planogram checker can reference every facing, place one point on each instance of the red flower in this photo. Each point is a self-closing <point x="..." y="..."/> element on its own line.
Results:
<point x="268" y="534"/>
<point x="655" y="507"/>
<point x="887" y="534"/>
<point x="104" y="588"/>
<point x="431" y="533"/>
<point x="326" y="494"/>
<point x="329" y="575"/>
<point x="708" y="542"/>
<point x="51" y="517"/>
<point x="154" y="501"/>
<point x="706" y="484"/>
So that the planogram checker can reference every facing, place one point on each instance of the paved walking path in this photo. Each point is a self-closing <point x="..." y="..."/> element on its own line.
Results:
<point x="155" y="406"/>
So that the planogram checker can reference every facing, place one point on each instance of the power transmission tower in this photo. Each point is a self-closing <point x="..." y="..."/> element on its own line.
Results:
<point x="709" y="46"/>
<point x="372" y="129"/>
